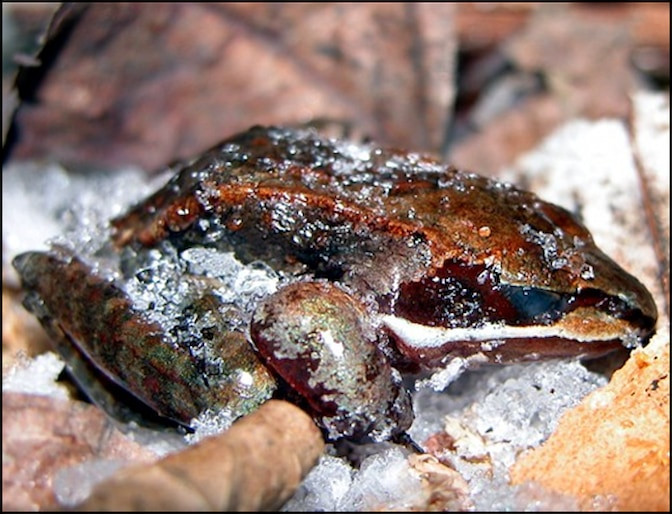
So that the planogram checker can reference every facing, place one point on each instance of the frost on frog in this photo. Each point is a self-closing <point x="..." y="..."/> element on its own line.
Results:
<point x="281" y="261"/>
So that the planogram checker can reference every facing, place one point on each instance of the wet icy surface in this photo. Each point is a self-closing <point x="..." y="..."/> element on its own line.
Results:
<point x="494" y="412"/>
<point x="517" y="404"/>
<point x="383" y="480"/>
<point x="36" y="376"/>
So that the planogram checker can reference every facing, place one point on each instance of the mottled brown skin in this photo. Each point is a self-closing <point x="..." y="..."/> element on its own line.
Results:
<point x="403" y="203"/>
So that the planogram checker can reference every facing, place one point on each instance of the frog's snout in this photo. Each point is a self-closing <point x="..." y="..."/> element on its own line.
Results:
<point x="623" y="295"/>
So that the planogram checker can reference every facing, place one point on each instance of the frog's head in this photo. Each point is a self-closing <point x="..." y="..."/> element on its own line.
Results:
<point x="534" y="288"/>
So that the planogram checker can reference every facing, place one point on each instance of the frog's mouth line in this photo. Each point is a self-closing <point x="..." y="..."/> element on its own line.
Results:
<point x="420" y="336"/>
<point x="499" y="341"/>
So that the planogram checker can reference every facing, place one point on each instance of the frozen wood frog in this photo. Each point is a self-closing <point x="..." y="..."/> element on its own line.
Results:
<point x="382" y="263"/>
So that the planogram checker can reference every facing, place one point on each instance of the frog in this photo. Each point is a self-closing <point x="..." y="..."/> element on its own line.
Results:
<point x="388" y="264"/>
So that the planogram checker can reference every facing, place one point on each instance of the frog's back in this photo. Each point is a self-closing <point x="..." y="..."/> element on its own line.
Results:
<point x="306" y="189"/>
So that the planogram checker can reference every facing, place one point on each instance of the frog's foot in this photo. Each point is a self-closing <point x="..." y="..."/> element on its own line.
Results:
<point x="321" y="341"/>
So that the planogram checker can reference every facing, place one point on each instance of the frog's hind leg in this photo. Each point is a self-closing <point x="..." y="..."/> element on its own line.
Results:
<point x="108" y="346"/>
<point x="116" y="401"/>
<point x="133" y="366"/>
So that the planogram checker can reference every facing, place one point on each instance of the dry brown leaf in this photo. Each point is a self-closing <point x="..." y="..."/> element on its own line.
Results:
<point x="586" y="65"/>
<point x="21" y="332"/>
<point x="42" y="435"/>
<point x="256" y="465"/>
<point x="149" y="83"/>
<point x="446" y="489"/>
<point x="25" y="23"/>
<point x="508" y="136"/>
<point x="650" y="132"/>
<point x="587" y="60"/>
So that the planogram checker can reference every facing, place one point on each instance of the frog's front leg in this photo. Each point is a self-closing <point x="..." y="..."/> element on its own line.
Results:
<point x="321" y="341"/>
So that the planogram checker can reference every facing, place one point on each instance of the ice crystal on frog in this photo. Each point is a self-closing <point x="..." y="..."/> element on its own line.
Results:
<point x="241" y="284"/>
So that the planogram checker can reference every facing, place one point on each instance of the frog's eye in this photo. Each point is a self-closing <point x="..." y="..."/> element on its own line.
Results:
<point x="534" y="304"/>
<point x="463" y="301"/>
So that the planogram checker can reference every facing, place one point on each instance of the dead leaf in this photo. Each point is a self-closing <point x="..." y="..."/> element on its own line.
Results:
<point x="509" y="135"/>
<point x="42" y="435"/>
<point x="588" y="61"/>
<point x="147" y="84"/>
<point x="615" y="445"/>
<point x="25" y="24"/>
<point x="650" y="133"/>
<point x="21" y="332"/>
<point x="446" y="489"/>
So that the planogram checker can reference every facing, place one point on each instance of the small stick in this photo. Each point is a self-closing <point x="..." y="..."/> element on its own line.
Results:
<point x="255" y="465"/>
